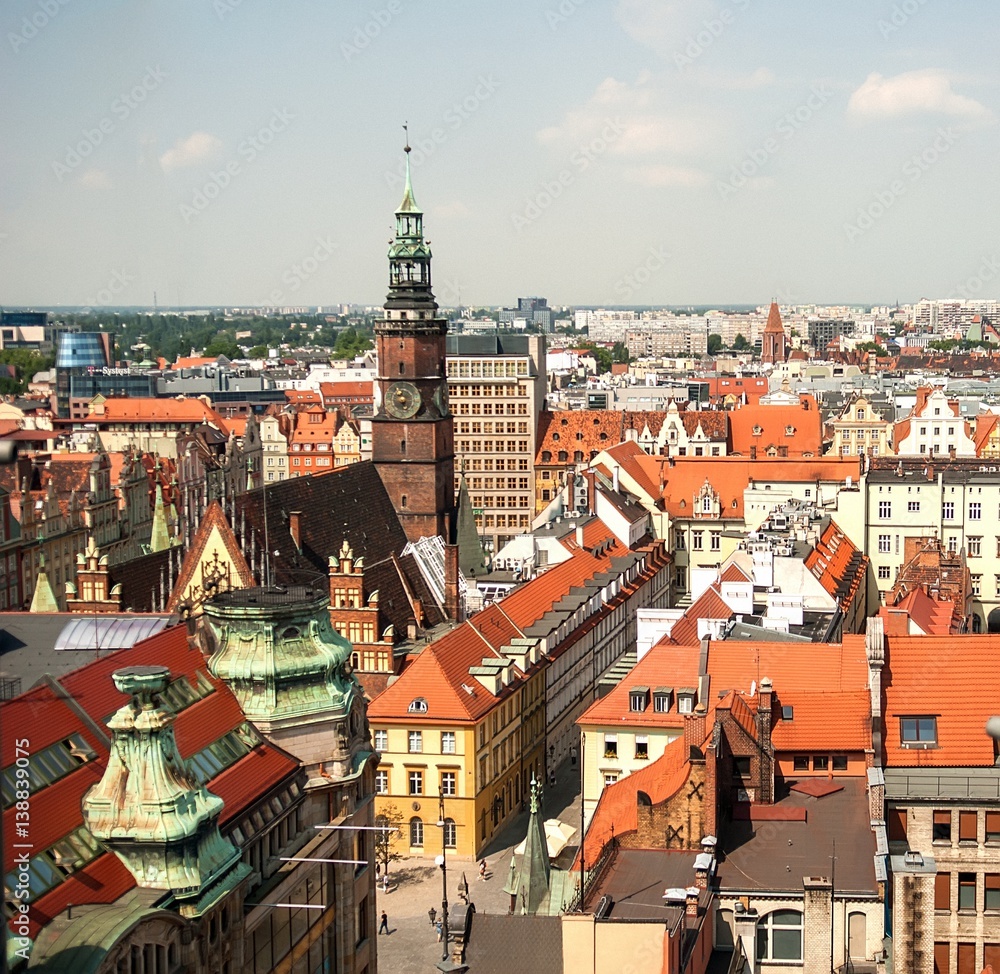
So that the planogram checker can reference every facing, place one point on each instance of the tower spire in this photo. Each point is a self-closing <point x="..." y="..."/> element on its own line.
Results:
<point x="409" y="204"/>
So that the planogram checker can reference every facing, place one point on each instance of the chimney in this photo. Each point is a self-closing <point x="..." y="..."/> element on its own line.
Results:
<point x="295" y="527"/>
<point x="746" y="929"/>
<point x="615" y="476"/>
<point x="695" y="729"/>
<point x="691" y="902"/>
<point x="579" y="537"/>
<point x="452" y="601"/>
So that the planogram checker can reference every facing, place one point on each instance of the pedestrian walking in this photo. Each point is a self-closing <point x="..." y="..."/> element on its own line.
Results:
<point x="383" y="927"/>
<point x="385" y="882"/>
<point x="439" y="930"/>
<point x="482" y="870"/>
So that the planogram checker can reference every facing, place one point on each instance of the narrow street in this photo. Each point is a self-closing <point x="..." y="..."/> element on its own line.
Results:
<point x="415" y="883"/>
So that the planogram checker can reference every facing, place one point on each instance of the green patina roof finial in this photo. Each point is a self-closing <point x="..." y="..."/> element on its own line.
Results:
<point x="409" y="204"/>
<point x="150" y="810"/>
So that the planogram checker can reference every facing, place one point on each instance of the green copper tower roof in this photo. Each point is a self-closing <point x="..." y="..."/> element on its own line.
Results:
<point x="409" y="204"/>
<point x="150" y="810"/>
<point x="279" y="654"/>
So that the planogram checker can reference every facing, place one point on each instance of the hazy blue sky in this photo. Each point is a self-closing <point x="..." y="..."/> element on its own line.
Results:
<point x="638" y="151"/>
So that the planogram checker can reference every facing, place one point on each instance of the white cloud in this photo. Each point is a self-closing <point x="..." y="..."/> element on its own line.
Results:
<point x="910" y="93"/>
<point x="631" y="121"/>
<point x="662" y="25"/>
<point x="197" y="147"/>
<point x="95" y="179"/>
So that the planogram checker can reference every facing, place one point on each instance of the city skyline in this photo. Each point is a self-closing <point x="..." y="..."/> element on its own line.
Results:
<point x="629" y="153"/>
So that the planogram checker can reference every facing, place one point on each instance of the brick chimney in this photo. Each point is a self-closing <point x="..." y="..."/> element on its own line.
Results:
<point x="695" y="728"/>
<point x="452" y="601"/>
<point x="295" y="527"/>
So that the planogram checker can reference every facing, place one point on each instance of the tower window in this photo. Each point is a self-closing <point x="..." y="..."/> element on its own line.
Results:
<point x="401" y="367"/>
<point x="402" y="446"/>
<point x="402" y="501"/>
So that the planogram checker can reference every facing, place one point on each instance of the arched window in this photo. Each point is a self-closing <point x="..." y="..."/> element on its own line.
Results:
<point x="416" y="830"/>
<point x="779" y="936"/>
<point x="450" y="834"/>
<point x="546" y="456"/>
<point x="290" y="633"/>
<point x="562" y="456"/>
<point x="382" y="826"/>
<point x="578" y="456"/>
<point x="418" y="706"/>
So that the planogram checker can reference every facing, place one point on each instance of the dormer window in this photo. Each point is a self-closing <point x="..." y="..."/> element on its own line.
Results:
<point x="638" y="699"/>
<point x="918" y="731"/>
<point x="685" y="700"/>
<point x="417" y="706"/>
<point x="758" y="430"/>
<point x="555" y="437"/>
<point x="662" y="699"/>
<point x="789" y="431"/>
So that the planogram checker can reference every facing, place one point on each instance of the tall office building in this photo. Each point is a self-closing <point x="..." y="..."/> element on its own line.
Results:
<point x="497" y="386"/>
<point x="79" y="354"/>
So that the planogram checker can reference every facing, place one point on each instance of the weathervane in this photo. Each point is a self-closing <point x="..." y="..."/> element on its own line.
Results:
<point x="406" y="129"/>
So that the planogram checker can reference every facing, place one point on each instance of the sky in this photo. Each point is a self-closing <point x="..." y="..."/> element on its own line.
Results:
<point x="595" y="152"/>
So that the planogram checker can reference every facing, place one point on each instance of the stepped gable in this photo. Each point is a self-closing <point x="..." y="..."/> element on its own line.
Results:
<point x="348" y="504"/>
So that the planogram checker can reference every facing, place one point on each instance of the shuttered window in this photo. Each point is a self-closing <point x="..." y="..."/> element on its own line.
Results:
<point x="967" y="959"/>
<point x="942" y="891"/>
<point x="896" y="824"/>
<point x="967" y="826"/>
<point x="941" y="959"/>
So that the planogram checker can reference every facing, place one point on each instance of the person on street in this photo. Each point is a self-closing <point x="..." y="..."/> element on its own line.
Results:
<point x="383" y="927"/>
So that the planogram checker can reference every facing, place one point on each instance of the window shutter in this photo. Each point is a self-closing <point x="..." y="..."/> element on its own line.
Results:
<point x="967" y="826"/>
<point x="896" y="823"/>
<point x="942" y="818"/>
<point x="942" y="891"/>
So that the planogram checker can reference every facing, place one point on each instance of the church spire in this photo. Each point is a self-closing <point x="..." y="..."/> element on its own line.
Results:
<point x="409" y="254"/>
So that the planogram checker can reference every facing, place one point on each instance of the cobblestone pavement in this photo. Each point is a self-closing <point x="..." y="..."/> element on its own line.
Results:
<point x="415" y="884"/>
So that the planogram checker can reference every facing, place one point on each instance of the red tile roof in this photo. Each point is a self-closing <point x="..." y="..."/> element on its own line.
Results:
<point x="838" y="565"/>
<point x="775" y="422"/>
<point x="954" y="679"/>
<point x="157" y="411"/>
<point x="932" y="617"/>
<point x="584" y="430"/>
<point x="440" y="672"/>
<point x="617" y="809"/>
<point x="683" y="477"/>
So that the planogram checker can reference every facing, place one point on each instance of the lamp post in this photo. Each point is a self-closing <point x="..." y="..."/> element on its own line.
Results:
<point x="442" y="862"/>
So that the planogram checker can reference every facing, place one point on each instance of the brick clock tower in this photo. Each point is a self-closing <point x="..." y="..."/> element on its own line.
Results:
<point x="413" y="441"/>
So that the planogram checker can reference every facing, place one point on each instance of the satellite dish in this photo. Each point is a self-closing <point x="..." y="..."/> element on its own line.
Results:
<point x="753" y="687"/>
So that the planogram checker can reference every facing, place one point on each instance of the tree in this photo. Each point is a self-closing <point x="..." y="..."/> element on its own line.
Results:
<point x="878" y="350"/>
<point x="619" y="353"/>
<point x="714" y="344"/>
<point x="258" y="351"/>
<point x="740" y="344"/>
<point x="223" y="346"/>
<point x="387" y="828"/>
<point x="601" y="356"/>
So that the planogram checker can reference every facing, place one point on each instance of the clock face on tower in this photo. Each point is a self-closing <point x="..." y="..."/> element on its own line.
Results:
<point x="402" y="400"/>
<point x="441" y="398"/>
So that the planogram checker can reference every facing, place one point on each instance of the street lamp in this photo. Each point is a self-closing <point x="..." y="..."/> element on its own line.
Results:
<point x="442" y="862"/>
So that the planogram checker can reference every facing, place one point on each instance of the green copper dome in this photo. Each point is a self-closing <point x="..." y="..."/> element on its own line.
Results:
<point x="279" y="654"/>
